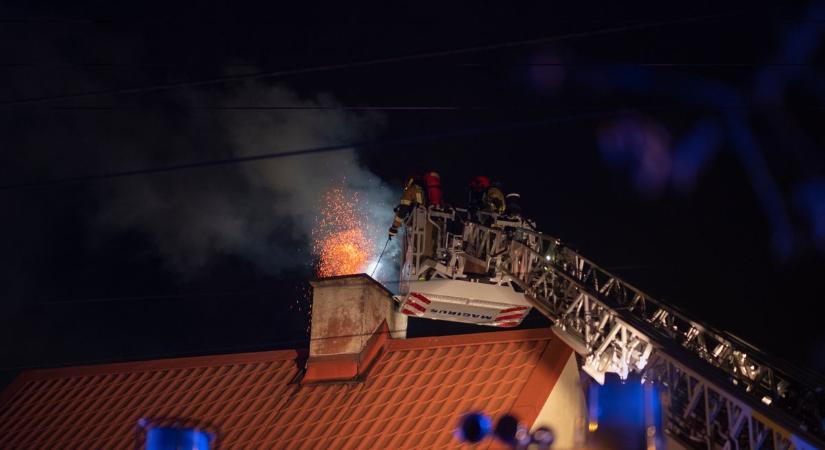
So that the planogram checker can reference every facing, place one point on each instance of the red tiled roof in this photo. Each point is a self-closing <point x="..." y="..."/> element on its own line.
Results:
<point x="412" y="396"/>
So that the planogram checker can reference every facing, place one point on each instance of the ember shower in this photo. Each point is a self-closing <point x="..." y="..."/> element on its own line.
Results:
<point x="343" y="240"/>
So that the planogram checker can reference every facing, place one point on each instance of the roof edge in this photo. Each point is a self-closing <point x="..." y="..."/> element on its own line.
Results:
<point x="11" y="388"/>
<point x="542" y="381"/>
<point x="276" y="355"/>
<point x="165" y="363"/>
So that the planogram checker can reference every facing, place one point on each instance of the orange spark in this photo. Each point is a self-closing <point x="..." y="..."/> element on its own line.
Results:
<point x="340" y="240"/>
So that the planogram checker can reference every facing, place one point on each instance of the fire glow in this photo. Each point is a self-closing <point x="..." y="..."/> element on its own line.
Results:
<point x="340" y="238"/>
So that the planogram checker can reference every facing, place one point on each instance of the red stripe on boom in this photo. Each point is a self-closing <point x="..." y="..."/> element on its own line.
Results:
<point x="511" y="316"/>
<point x="515" y="308"/>
<point x="420" y="297"/>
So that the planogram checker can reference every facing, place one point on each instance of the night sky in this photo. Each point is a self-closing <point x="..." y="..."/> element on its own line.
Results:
<point x="679" y="146"/>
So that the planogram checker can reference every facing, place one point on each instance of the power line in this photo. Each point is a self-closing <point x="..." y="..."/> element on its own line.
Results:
<point x="143" y="21"/>
<point x="48" y="20"/>
<point x="277" y="108"/>
<point x="309" y="151"/>
<point x="368" y="63"/>
<point x="93" y="65"/>
<point x="438" y="65"/>
<point x="184" y="296"/>
<point x="187" y="296"/>
<point x="640" y="64"/>
<point x="413" y="108"/>
<point x="333" y="148"/>
<point x="199" y="295"/>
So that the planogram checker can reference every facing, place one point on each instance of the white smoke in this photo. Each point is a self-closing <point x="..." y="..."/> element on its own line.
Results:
<point x="263" y="211"/>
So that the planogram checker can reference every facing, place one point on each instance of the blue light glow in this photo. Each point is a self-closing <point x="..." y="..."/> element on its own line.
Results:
<point x="739" y="119"/>
<point x="170" y="438"/>
<point x="810" y="200"/>
<point x="623" y="413"/>
<point x="640" y="146"/>
<point x="474" y="427"/>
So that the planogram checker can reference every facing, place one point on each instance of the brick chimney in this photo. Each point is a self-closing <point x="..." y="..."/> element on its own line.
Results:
<point x="353" y="316"/>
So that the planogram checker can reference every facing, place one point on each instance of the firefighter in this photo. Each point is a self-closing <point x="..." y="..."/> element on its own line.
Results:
<point x="478" y="186"/>
<point x="413" y="196"/>
<point x="513" y="201"/>
<point x="493" y="199"/>
<point x="513" y="211"/>
<point x="432" y="181"/>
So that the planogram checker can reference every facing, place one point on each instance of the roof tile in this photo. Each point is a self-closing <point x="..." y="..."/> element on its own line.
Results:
<point x="412" y="397"/>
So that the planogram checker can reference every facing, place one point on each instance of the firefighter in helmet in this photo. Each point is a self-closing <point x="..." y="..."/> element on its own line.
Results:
<point x="493" y="199"/>
<point x="412" y="196"/>
<point x="513" y="209"/>
<point x="432" y="182"/>
<point x="478" y="186"/>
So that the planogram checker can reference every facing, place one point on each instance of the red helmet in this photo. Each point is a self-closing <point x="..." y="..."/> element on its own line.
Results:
<point x="480" y="183"/>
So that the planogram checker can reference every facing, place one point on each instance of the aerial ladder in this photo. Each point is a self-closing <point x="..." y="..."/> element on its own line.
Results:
<point x="718" y="391"/>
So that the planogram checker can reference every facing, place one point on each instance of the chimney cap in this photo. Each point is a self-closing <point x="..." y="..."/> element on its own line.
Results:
<point x="330" y="280"/>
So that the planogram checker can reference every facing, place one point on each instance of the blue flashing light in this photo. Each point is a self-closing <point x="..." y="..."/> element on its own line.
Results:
<point x="474" y="427"/>
<point x="507" y="429"/>
<point x="619" y="417"/>
<point x="171" y="438"/>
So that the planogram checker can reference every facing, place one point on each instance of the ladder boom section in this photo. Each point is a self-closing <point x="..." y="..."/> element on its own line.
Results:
<point x="618" y="328"/>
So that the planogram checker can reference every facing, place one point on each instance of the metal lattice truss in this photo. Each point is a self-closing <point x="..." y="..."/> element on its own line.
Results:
<point x="618" y="328"/>
<point x="700" y="412"/>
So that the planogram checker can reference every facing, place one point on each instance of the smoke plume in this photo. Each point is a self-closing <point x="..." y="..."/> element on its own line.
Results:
<point x="262" y="211"/>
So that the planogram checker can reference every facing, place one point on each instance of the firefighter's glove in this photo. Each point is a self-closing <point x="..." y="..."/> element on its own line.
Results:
<point x="393" y="232"/>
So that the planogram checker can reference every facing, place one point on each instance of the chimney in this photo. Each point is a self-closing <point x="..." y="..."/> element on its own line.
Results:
<point x="353" y="316"/>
